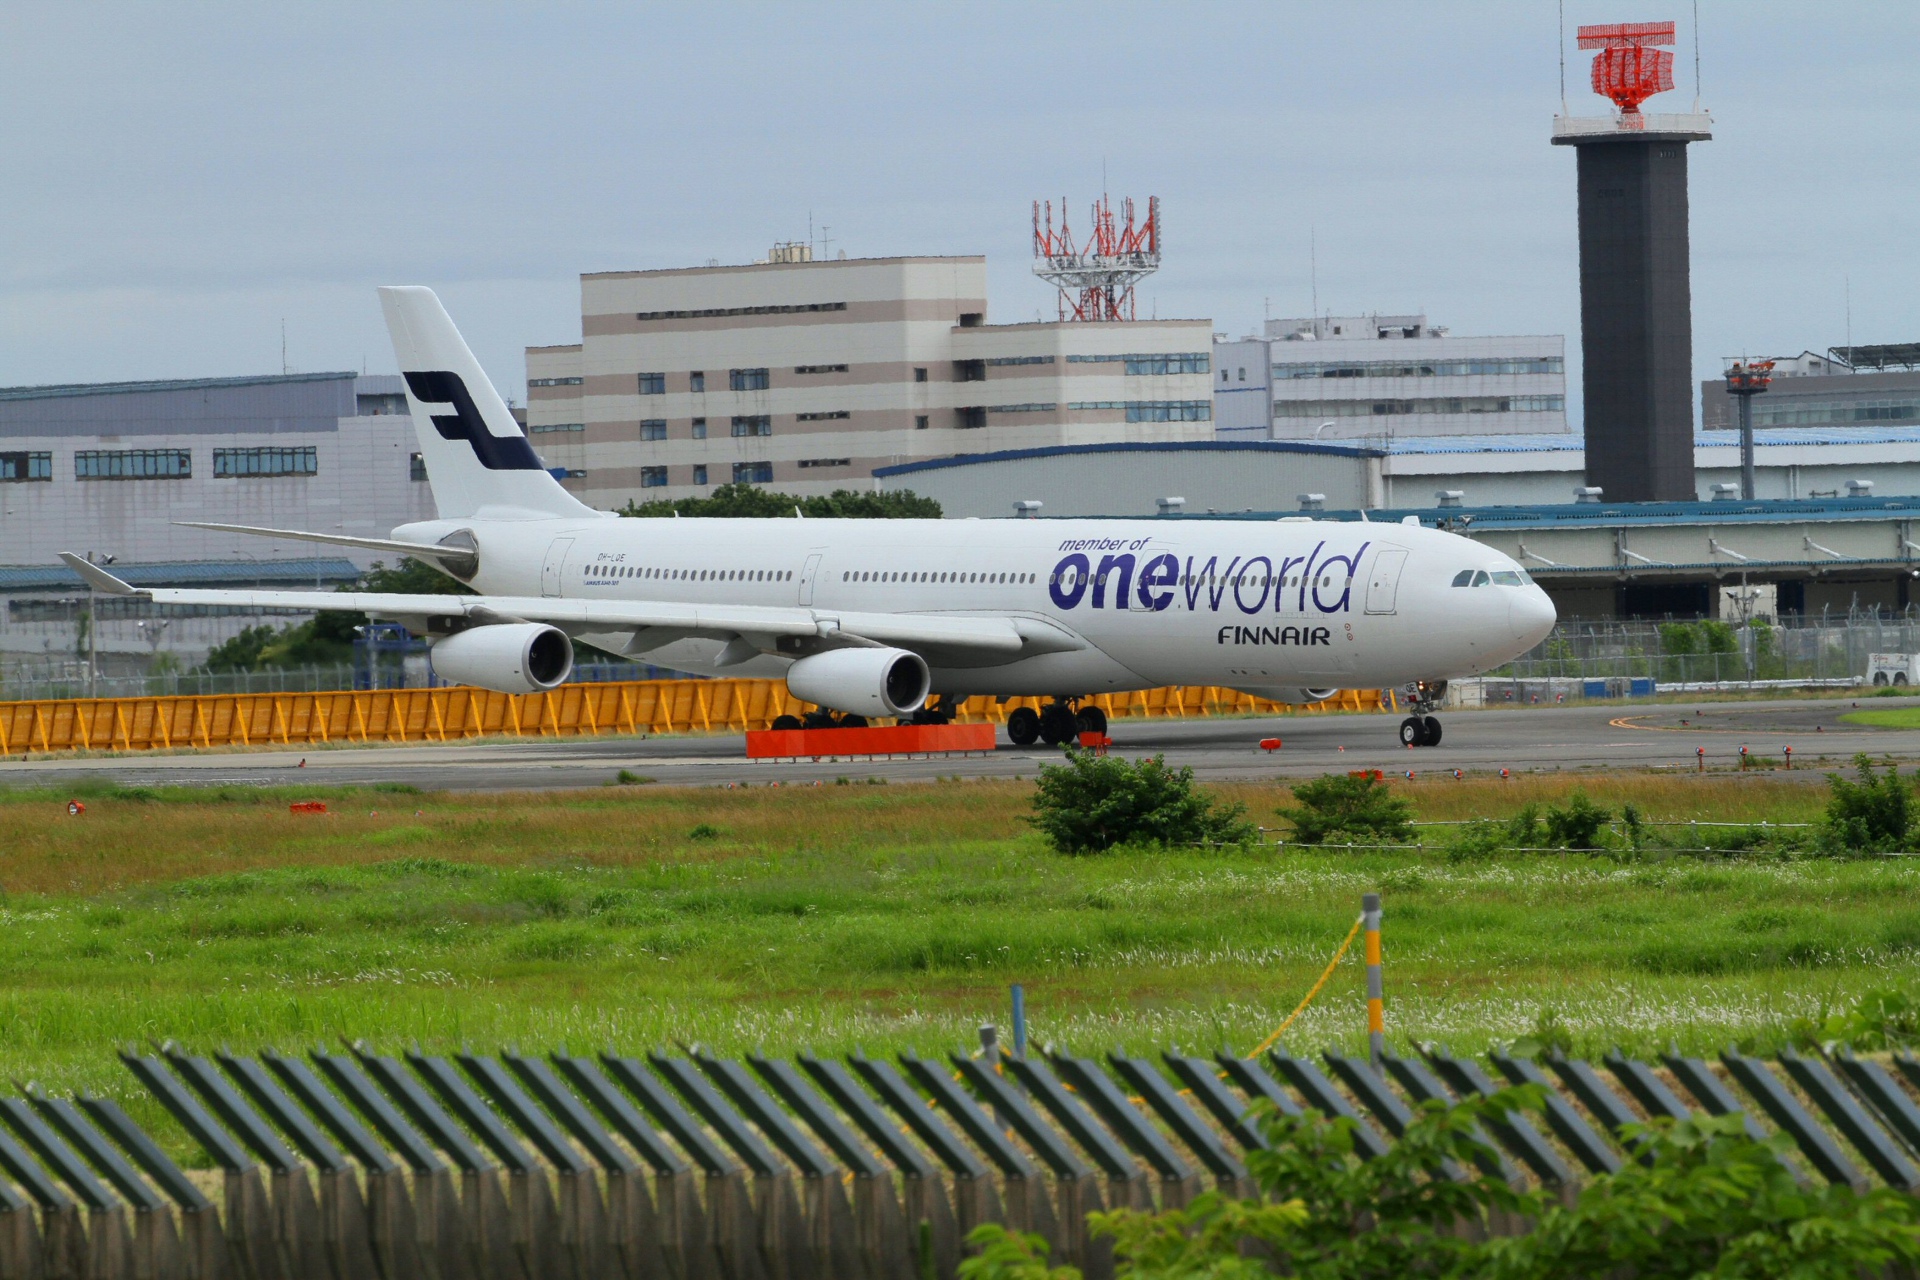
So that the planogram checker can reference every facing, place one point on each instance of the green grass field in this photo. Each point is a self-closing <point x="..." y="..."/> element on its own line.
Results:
<point x="1886" y="717"/>
<point x="883" y="917"/>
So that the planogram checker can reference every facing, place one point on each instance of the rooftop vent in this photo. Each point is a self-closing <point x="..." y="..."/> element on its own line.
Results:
<point x="1859" y="488"/>
<point x="1027" y="508"/>
<point x="1450" y="497"/>
<point x="1313" y="501"/>
<point x="1588" y="493"/>
<point x="1725" y="492"/>
<point x="1171" y="506"/>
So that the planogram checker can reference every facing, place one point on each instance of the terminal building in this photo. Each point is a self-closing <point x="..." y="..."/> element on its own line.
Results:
<point x="809" y="376"/>
<point x="1879" y="387"/>
<point x="1374" y="377"/>
<point x="110" y="469"/>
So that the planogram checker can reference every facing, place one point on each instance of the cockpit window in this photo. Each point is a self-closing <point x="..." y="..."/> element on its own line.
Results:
<point x="1508" y="578"/>
<point x="1464" y="578"/>
<point x="1481" y="578"/>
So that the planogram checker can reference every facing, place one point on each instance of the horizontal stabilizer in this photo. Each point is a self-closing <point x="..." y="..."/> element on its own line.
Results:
<point x="339" y="540"/>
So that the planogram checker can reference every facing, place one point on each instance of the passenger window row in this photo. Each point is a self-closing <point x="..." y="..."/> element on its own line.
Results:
<point x="691" y="575"/>
<point x="892" y="575"/>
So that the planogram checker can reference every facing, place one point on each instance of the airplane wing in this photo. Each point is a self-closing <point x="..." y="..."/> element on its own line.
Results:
<point x="665" y="620"/>
<point x="438" y="552"/>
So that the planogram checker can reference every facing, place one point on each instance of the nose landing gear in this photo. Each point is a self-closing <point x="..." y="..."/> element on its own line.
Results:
<point x="1422" y="729"/>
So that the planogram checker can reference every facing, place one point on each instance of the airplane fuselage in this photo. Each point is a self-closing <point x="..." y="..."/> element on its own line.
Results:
<point x="1273" y="606"/>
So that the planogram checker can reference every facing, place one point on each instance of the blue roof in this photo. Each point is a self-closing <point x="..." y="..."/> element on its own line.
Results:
<point x="1157" y="446"/>
<point x="1611" y="514"/>
<point x="324" y="571"/>
<point x="62" y="392"/>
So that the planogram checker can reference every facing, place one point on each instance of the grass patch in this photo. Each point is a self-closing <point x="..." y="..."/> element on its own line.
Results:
<point x="1886" y="717"/>
<point x="892" y="918"/>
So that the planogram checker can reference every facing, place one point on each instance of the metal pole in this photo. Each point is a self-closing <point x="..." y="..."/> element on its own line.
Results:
<point x="93" y="641"/>
<point x="1376" y="1007"/>
<point x="1746" y="447"/>
<point x="1019" y="1021"/>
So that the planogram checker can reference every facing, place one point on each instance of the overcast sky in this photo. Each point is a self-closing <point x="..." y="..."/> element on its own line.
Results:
<point x="179" y="179"/>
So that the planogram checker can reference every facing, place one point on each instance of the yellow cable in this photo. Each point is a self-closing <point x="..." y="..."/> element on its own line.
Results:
<point x="1302" y="1007"/>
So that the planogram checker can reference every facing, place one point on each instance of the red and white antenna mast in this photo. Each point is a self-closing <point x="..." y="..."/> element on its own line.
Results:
<point x="1096" y="279"/>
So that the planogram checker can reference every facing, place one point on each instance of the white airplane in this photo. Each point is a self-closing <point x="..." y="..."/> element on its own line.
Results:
<point x="879" y="618"/>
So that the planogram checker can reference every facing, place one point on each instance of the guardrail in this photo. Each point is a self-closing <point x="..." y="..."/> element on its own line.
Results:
<point x="340" y="1166"/>
<point x="452" y="714"/>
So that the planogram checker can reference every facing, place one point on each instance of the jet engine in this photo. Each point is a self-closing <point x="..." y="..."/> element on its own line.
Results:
<point x="867" y="682"/>
<point x="508" y="657"/>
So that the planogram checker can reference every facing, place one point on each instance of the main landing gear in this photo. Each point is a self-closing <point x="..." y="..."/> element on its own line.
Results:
<point x="1054" y="724"/>
<point x="1422" y="729"/>
<point x="820" y="718"/>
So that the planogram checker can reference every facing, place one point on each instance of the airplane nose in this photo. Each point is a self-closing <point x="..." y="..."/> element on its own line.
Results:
<point x="1532" y="615"/>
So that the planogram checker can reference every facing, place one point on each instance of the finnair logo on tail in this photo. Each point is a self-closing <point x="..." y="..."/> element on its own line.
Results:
<point x="496" y="453"/>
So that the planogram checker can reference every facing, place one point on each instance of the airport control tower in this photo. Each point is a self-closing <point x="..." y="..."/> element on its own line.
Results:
<point x="1636" y="321"/>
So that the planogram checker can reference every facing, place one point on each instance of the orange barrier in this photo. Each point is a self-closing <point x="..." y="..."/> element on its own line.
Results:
<point x="875" y="740"/>
<point x="450" y="714"/>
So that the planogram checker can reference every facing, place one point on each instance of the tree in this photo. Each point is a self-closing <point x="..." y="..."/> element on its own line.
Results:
<point x="747" y="501"/>
<point x="1354" y="804"/>
<point x="1095" y="802"/>
<point x="328" y="636"/>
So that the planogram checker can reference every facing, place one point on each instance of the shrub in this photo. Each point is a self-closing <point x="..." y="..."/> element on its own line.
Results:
<point x="1703" y="1200"/>
<point x="1095" y="802"/>
<point x="1476" y="841"/>
<point x="1870" y="815"/>
<point x="1351" y="805"/>
<point x="1578" y="826"/>
<point x="1523" y="828"/>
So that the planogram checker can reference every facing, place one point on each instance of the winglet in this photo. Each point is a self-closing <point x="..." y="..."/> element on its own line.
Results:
<point x="96" y="577"/>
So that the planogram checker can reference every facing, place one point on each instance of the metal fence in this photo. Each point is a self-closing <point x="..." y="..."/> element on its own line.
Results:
<point x="62" y="681"/>
<point x="1824" y="649"/>
<point x="355" y="1164"/>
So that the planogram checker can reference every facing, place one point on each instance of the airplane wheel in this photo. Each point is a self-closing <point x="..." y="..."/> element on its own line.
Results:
<point x="1432" y="735"/>
<point x="1057" y="724"/>
<point x="1412" y="732"/>
<point x="1023" y="726"/>
<point x="1090" y="719"/>
<point x="786" y="722"/>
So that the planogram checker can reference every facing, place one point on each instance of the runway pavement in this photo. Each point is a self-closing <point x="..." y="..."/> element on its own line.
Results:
<point x="1594" y="736"/>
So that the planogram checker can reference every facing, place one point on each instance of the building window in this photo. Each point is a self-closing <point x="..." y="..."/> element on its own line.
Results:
<point x="1020" y="408"/>
<point x="826" y="462"/>
<point x="550" y="428"/>
<point x="753" y="425"/>
<point x="653" y="429"/>
<point x="380" y="406"/>
<point x="555" y="382"/>
<point x="653" y="384"/>
<point x="747" y="379"/>
<point x="230" y="463"/>
<point x="700" y="474"/>
<point x="1243" y="375"/>
<point x="1154" y="410"/>
<point x="1517" y="366"/>
<point x="969" y="419"/>
<point x="133" y="464"/>
<point x="697" y="381"/>
<point x="972" y="319"/>
<point x="969" y="370"/>
<point x="416" y="468"/>
<point x="836" y="415"/>
<point x="26" y="466"/>
<point x="753" y="473"/>
<point x="1138" y="363"/>
<point x="653" y="477"/>
<point x="1425" y="404"/>
<point x="709" y="313"/>
<point x="1005" y="360"/>
<point x="919" y="375"/>
<point x="819" y="368"/>
<point x="919" y="422"/>
<point x="699" y="428"/>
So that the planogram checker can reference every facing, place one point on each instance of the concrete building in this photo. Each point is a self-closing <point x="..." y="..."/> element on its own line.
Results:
<point x="1472" y="471"/>
<point x="809" y="375"/>
<point x="1377" y="376"/>
<point x="110" y="468"/>
<point x="1820" y="391"/>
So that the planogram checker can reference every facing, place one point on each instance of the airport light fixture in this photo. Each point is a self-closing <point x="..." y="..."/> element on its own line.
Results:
<point x="1747" y="379"/>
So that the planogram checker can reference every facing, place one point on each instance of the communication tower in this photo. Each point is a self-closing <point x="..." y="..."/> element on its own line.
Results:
<point x="1096" y="279"/>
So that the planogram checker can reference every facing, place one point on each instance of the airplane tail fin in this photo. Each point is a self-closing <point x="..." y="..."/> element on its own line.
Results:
<point x="475" y="453"/>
